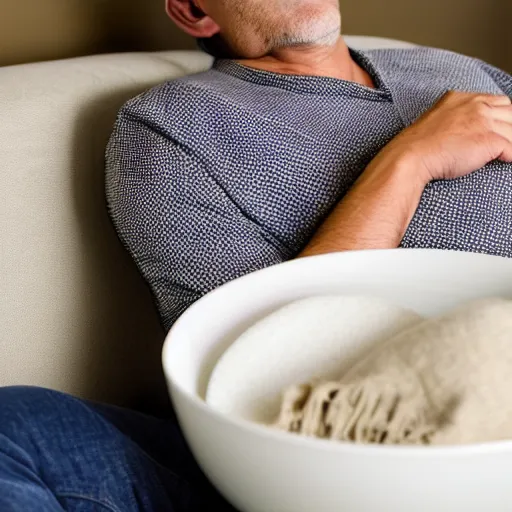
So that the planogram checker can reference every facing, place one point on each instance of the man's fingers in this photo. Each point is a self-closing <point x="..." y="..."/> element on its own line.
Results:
<point x="495" y="100"/>
<point x="504" y="129"/>
<point x="502" y="113"/>
<point x="506" y="156"/>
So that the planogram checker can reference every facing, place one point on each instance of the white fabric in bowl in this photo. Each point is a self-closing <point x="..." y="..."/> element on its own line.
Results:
<point x="319" y="337"/>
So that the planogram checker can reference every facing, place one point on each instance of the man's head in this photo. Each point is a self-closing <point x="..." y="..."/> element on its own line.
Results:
<point x="254" y="28"/>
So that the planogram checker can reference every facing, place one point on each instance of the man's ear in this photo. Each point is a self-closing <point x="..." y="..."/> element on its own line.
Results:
<point x="188" y="16"/>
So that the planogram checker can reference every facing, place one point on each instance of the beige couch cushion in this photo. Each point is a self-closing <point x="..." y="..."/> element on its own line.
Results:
<point x="74" y="313"/>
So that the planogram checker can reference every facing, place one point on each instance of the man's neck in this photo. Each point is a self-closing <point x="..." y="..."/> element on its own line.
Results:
<point x="329" y="61"/>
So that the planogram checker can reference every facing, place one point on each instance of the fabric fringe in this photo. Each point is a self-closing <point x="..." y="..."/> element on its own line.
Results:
<point x="373" y="410"/>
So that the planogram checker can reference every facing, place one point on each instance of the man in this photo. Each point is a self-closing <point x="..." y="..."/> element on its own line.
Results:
<point x="247" y="165"/>
<point x="292" y="145"/>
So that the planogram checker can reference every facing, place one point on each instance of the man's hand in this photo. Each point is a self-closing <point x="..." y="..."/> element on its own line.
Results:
<point x="459" y="135"/>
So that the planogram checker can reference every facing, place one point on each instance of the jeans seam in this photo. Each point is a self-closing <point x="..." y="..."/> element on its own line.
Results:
<point x="103" y="503"/>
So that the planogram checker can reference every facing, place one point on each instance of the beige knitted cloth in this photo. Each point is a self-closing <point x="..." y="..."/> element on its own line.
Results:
<point x="447" y="380"/>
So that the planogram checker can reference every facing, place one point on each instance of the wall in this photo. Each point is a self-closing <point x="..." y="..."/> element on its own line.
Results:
<point x="47" y="29"/>
<point x="33" y="30"/>
<point x="475" y="27"/>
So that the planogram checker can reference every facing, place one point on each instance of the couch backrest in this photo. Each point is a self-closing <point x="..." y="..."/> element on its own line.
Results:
<point x="74" y="313"/>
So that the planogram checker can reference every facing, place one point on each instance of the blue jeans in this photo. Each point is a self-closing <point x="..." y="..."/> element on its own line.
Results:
<point x="59" y="453"/>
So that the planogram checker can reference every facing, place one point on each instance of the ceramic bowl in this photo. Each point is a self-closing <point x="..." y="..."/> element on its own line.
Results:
<point x="261" y="470"/>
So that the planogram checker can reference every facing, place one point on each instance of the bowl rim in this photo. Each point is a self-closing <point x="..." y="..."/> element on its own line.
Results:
<point x="312" y="443"/>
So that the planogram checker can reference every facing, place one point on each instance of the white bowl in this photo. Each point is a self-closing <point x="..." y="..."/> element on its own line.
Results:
<point x="261" y="470"/>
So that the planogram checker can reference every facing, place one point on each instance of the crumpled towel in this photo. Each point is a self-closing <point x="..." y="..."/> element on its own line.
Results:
<point x="445" y="381"/>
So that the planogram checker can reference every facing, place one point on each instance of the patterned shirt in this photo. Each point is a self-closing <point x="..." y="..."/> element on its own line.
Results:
<point x="218" y="174"/>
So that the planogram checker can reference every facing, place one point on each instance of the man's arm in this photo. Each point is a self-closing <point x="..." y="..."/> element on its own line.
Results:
<point x="183" y="231"/>
<point x="461" y="134"/>
<point x="376" y="212"/>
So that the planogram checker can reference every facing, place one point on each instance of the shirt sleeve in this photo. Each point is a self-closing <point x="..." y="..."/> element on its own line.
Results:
<point x="502" y="78"/>
<point x="180" y="226"/>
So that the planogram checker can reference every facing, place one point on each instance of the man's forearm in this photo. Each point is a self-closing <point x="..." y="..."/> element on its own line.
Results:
<point x="376" y="212"/>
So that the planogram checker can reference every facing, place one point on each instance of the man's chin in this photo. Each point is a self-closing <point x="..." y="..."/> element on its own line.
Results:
<point x="310" y="38"/>
<point x="319" y="28"/>
<point x="329" y="38"/>
<point x="322" y="29"/>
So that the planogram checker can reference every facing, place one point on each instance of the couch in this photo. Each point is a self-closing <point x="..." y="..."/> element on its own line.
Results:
<point x="74" y="313"/>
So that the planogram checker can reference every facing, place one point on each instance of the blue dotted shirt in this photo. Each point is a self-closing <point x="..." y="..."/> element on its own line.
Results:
<point x="218" y="174"/>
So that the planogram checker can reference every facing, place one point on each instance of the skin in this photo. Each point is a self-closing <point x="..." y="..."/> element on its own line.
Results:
<point x="459" y="135"/>
<point x="270" y="35"/>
